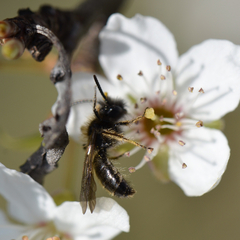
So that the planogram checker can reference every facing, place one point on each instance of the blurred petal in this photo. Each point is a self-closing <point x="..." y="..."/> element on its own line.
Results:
<point x="107" y="220"/>
<point x="206" y="155"/>
<point x="214" y="66"/>
<point x="131" y="45"/>
<point x="83" y="87"/>
<point x="28" y="202"/>
<point x="9" y="230"/>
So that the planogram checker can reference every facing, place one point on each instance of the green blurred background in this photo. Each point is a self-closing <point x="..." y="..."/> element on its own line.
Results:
<point x="157" y="211"/>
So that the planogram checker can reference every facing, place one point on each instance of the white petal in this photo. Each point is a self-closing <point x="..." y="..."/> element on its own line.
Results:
<point x="28" y="201"/>
<point x="107" y="220"/>
<point x="131" y="45"/>
<point x="9" y="230"/>
<point x="214" y="66"/>
<point x="206" y="155"/>
<point x="83" y="87"/>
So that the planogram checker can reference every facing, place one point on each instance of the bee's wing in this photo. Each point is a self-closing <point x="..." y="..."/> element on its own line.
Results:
<point x="88" y="188"/>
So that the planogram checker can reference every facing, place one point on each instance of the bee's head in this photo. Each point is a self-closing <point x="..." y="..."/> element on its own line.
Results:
<point x="112" y="109"/>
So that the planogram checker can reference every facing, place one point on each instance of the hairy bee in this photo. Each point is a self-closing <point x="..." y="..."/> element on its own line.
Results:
<point x="103" y="133"/>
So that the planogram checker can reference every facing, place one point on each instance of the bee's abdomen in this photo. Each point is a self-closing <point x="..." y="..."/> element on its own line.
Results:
<point x="111" y="179"/>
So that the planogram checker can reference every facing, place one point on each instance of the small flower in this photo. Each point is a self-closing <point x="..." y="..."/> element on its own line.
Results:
<point x="187" y="93"/>
<point x="39" y="218"/>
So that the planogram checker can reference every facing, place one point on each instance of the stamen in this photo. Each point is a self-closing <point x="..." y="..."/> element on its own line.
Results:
<point x="201" y="90"/>
<point x="143" y="162"/>
<point x="178" y="124"/>
<point x="190" y="89"/>
<point x="174" y="92"/>
<point x="199" y="124"/>
<point x="162" y="77"/>
<point x="172" y="127"/>
<point x="132" y="169"/>
<point x="127" y="154"/>
<point x="195" y="99"/>
<point x="135" y="105"/>
<point x="169" y="120"/>
<point x="181" y="143"/>
<point x="147" y="159"/>
<point x="184" y="165"/>
<point x="168" y="67"/>
<point x="149" y="113"/>
<point x="159" y="62"/>
<point x="179" y="115"/>
<point x="119" y="77"/>
<point x="25" y="238"/>
<point x="144" y="78"/>
<point x="150" y="150"/>
<point x="143" y="100"/>
<point x="132" y="151"/>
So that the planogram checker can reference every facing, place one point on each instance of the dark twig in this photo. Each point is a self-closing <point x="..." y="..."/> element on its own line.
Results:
<point x="68" y="26"/>
<point x="53" y="130"/>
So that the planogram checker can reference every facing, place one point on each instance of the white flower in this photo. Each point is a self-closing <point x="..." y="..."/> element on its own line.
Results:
<point x="39" y="217"/>
<point x="186" y="93"/>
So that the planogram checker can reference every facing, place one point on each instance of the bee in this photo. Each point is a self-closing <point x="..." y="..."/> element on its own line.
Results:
<point x="103" y="133"/>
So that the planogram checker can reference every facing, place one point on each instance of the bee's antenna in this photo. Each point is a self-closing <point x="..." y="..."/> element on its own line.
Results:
<point x="99" y="88"/>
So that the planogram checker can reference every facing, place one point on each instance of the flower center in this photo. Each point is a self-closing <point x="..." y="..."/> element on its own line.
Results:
<point x="169" y="120"/>
<point x="157" y="122"/>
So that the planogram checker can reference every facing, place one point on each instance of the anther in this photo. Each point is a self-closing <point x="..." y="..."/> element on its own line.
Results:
<point x="199" y="124"/>
<point x="181" y="143"/>
<point x="159" y="62"/>
<point x="190" y="89"/>
<point x="25" y="238"/>
<point x="158" y="127"/>
<point x="119" y="77"/>
<point x="162" y="77"/>
<point x="157" y="92"/>
<point x="143" y="100"/>
<point x="135" y="105"/>
<point x="140" y="73"/>
<point x="149" y="113"/>
<point x="168" y="67"/>
<point x="184" y="165"/>
<point x="201" y="90"/>
<point x="178" y="124"/>
<point x="150" y="150"/>
<point x="132" y="169"/>
<point x="174" y="92"/>
<point x="127" y="154"/>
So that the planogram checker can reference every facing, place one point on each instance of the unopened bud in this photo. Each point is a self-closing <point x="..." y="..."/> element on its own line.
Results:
<point x="12" y="49"/>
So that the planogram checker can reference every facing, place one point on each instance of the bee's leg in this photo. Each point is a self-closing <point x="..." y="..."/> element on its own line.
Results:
<point x="128" y="122"/>
<point x="119" y="137"/>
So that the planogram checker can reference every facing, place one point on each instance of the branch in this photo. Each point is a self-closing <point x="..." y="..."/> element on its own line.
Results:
<point x="53" y="130"/>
